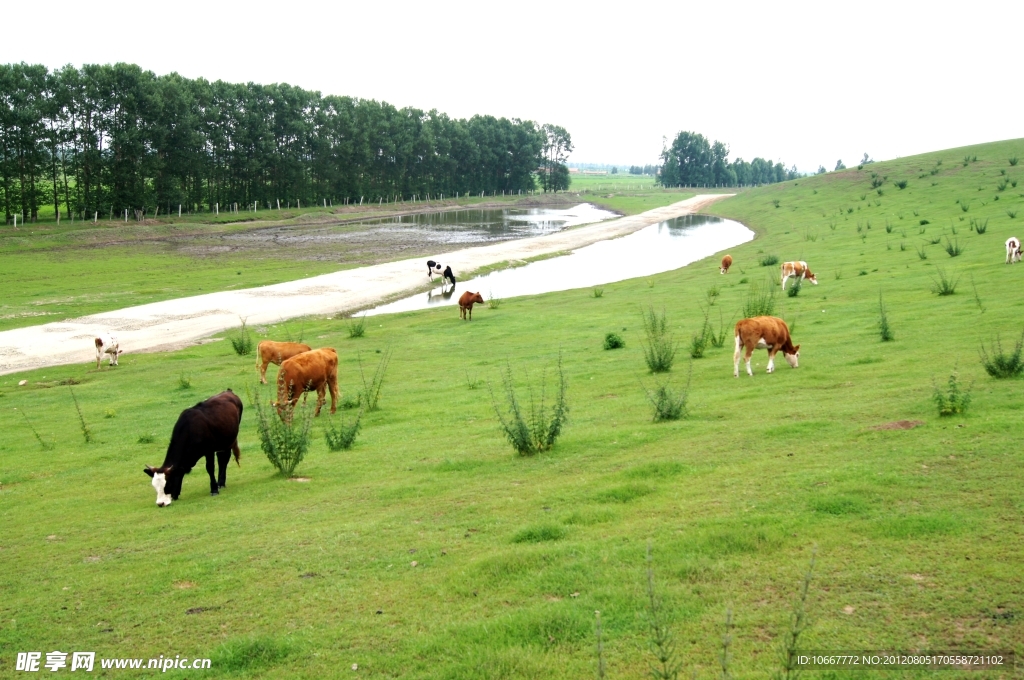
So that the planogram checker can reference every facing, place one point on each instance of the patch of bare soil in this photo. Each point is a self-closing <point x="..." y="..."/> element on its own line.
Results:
<point x="899" y="425"/>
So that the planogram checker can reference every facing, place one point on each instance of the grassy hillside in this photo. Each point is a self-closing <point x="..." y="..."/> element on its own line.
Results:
<point x="918" y="533"/>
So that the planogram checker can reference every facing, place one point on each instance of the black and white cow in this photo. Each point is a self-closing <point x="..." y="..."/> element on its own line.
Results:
<point x="444" y="272"/>
<point x="210" y="427"/>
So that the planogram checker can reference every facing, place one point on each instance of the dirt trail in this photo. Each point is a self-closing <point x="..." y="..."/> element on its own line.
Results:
<point x="173" y="324"/>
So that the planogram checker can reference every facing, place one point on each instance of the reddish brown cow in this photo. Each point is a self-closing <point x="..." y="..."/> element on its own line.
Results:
<point x="764" y="332"/>
<point x="466" y="304"/>
<point x="726" y="263"/>
<point x="311" y="371"/>
<point x="270" y="352"/>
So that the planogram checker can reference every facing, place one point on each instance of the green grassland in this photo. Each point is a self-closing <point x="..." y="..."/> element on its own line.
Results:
<point x="53" y="272"/>
<point x="917" y="533"/>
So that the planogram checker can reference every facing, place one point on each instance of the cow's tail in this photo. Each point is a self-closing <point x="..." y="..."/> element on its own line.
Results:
<point x="238" y="453"/>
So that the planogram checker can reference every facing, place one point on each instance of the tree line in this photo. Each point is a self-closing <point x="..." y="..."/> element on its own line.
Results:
<point x="692" y="159"/>
<point x="101" y="139"/>
<point x="644" y="169"/>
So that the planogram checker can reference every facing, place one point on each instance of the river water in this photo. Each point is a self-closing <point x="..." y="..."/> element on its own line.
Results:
<point x="655" y="249"/>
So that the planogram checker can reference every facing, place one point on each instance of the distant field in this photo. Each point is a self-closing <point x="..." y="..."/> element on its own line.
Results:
<point x="430" y="551"/>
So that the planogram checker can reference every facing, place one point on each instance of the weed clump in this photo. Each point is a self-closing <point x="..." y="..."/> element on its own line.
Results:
<point x="794" y="290"/>
<point x="669" y="404"/>
<point x="597" y="292"/>
<point x="614" y="341"/>
<point x="284" y="437"/>
<point x="760" y="301"/>
<point x="660" y="348"/>
<point x="768" y="260"/>
<point x="901" y="184"/>
<point x="539" y="534"/>
<point x="953" y="247"/>
<point x="885" y="331"/>
<point x="954" y="399"/>
<point x="184" y="381"/>
<point x="535" y="429"/>
<point x="343" y="435"/>
<point x="86" y="430"/>
<point x="943" y="284"/>
<point x="241" y="340"/>
<point x="372" y="388"/>
<point x="357" y="327"/>
<point x="1001" y="364"/>
<point x="981" y="226"/>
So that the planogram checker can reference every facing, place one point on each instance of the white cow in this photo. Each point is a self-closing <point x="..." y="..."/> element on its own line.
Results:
<point x="106" y="343"/>
<point x="1012" y="250"/>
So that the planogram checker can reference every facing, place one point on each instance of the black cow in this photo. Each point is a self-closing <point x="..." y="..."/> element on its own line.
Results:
<point x="210" y="427"/>
<point x="441" y="270"/>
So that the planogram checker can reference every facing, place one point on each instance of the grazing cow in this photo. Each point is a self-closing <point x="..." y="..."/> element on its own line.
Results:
<point x="1012" y="250"/>
<point x="270" y="352"/>
<point x="798" y="269"/>
<point x="764" y="332"/>
<point x="726" y="263"/>
<point x="316" y="370"/>
<point x="441" y="270"/>
<point x="210" y="427"/>
<point x="106" y="343"/>
<point x="466" y="304"/>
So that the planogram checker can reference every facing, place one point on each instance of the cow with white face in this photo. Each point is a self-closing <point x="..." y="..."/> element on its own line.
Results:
<point x="106" y="343"/>
<point x="208" y="429"/>
<point x="1012" y="250"/>
<point x="798" y="269"/>
<point x="764" y="332"/>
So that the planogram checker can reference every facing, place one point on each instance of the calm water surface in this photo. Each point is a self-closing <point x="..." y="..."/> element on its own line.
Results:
<point x="658" y="248"/>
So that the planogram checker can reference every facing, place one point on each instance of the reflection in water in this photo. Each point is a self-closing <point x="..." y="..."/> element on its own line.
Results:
<point x="658" y="248"/>
<point x="501" y="224"/>
<point x="440" y="296"/>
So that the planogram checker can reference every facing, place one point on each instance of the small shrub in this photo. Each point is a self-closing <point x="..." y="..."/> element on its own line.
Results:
<point x="614" y="341"/>
<point x="885" y="331"/>
<point x="357" y="327"/>
<point x="794" y="290"/>
<point x="699" y="342"/>
<point x="718" y="339"/>
<point x="241" y="340"/>
<point x="1002" y="185"/>
<point x="1001" y="364"/>
<point x="349" y="403"/>
<point x="744" y="280"/>
<point x="953" y="248"/>
<point x="537" y="429"/>
<point x="943" y="284"/>
<point x="372" y="389"/>
<point x="343" y="435"/>
<point x="145" y="439"/>
<point x="838" y="274"/>
<point x="901" y="184"/>
<point x="110" y="413"/>
<point x="597" y="292"/>
<point x="711" y="295"/>
<point x="808" y="236"/>
<point x="768" y="260"/>
<point x="863" y="196"/>
<point x="954" y="399"/>
<point x="903" y="246"/>
<point x="880" y="192"/>
<point x="862" y="272"/>
<point x="1012" y="214"/>
<point x="1013" y="160"/>
<point x="775" y="202"/>
<point x="935" y="241"/>
<point x="924" y="222"/>
<point x="888" y="227"/>
<point x="876" y="182"/>
<point x="760" y="301"/>
<point x="660" y="349"/>
<point x="965" y="205"/>
<point x="669" y="404"/>
<point x="666" y="664"/>
<point x="493" y="302"/>
<point x="285" y="439"/>
<point x="184" y="381"/>
<point x="981" y="226"/>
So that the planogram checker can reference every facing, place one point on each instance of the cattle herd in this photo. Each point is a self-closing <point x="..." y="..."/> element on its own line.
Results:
<point x="210" y="428"/>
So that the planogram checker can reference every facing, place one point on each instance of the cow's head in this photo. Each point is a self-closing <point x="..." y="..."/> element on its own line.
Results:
<point x="812" y="278"/>
<point x="159" y="475"/>
<point x="794" y="358"/>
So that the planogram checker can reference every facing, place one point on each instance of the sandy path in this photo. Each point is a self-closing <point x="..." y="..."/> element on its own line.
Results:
<point x="172" y="324"/>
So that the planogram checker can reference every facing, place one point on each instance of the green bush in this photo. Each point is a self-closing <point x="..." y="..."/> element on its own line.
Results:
<point x="357" y="327"/>
<point x="1000" y="364"/>
<point x="885" y="331"/>
<point x="284" y="438"/>
<point x="660" y="348"/>
<point x="613" y="341"/>
<point x="794" y="290"/>
<point x="943" y="284"/>
<point x="343" y="435"/>
<point x="954" y="399"/>
<point x="241" y="340"/>
<point x="768" y="260"/>
<point x="669" y="404"/>
<point x="535" y="429"/>
<point x="760" y="300"/>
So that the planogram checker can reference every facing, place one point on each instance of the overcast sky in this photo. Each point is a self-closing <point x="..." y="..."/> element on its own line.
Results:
<point x="805" y="83"/>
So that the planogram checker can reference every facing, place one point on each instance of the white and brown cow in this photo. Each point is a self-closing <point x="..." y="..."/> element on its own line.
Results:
<point x="798" y="269"/>
<point x="1012" y="250"/>
<point x="106" y="343"/>
<point x="726" y="263"/>
<point x="764" y="332"/>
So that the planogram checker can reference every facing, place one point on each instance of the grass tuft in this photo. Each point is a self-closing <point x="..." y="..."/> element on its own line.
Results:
<point x="86" y="431"/>
<point x="614" y="341"/>
<point x="954" y="399"/>
<point x="659" y="349"/>
<point x="597" y="292"/>
<point x="901" y="184"/>
<point x="1000" y="364"/>
<point x="372" y="388"/>
<point x="284" y="439"/>
<point x="669" y="404"/>
<point x="342" y="436"/>
<point x="943" y="284"/>
<point x="184" y="381"/>
<point x="241" y="340"/>
<point x="536" y="429"/>
<point x="953" y="248"/>
<point x="357" y="327"/>
<point x="885" y="331"/>
<point x="768" y="260"/>
<point x="540" y="533"/>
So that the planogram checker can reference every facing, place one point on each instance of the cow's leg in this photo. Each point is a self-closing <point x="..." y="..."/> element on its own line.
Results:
<point x="223" y="458"/>
<point x="263" y="372"/>
<point x="736" y="359"/>
<point x="321" y="399"/>
<point x="113" y="356"/>
<point x="471" y="313"/>
<point x="209" y="471"/>
<point x="99" y="356"/>
<point x="771" y="359"/>
<point x="750" y="351"/>
<point x="334" y="396"/>
<point x="784" y="279"/>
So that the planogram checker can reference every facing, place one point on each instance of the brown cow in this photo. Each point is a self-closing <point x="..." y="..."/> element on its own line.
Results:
<point x="764" y="332"/>
<point x="466" y="304"/>
<point x="798" y="269"/>
<point x="315" y="370"/>
<point x="270" y="352"/>
<point x="726" y="263"/>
